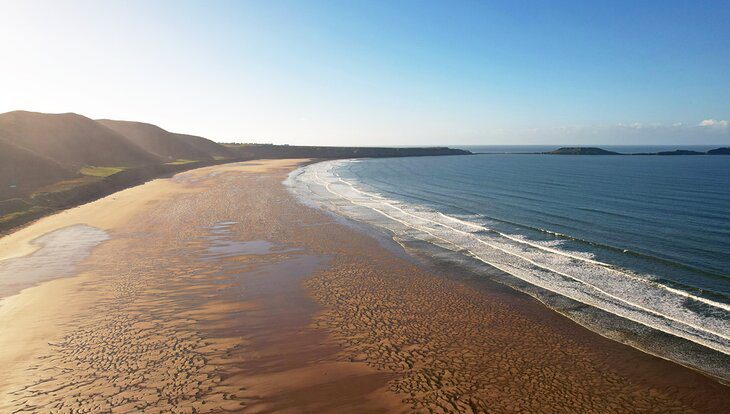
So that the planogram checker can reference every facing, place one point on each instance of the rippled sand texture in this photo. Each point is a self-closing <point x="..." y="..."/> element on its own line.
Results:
<point x="218" y="292"/>
<point x="190" y="307"/>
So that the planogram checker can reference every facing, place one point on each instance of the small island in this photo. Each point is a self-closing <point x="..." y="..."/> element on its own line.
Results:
<point x="582" y="151"/>
<point x="601" y="151"/>
<point x="680" y="152"/>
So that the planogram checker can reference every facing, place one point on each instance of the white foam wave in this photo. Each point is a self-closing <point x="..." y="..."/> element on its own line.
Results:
<point x="572" y="274"/>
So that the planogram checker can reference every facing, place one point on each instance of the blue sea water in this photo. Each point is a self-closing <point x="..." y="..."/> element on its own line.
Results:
<point x="645" y="239"/>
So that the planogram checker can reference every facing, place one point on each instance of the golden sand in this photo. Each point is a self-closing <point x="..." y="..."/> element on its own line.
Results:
<point x="115" y="210"/>
<point x="167" y="316"/>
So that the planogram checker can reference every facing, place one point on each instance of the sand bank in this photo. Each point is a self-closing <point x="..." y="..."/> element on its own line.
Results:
<point x="218" y="291"/>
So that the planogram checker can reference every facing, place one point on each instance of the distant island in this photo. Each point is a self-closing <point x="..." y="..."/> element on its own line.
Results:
<point x="581" y="151"/>
<point x="50" y="162"/>
<point x="677" y="152"/>
<point x="601" y="151"/>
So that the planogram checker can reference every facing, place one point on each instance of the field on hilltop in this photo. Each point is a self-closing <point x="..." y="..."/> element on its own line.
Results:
<point x="51" y="161"/>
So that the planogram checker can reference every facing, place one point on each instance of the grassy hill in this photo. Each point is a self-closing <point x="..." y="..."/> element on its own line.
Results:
<point x="213" y="149"/>
<point x="54" y="161"/>
<point x="71" y="140"/>
<point x="165" y="145"/>
<point x="38" y="150"/>
<point x="22" y="171"/>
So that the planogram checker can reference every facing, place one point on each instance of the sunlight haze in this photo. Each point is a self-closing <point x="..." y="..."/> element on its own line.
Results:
<point x="378" y="73"/>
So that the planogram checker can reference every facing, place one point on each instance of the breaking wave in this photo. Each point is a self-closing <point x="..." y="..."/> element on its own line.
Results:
<point x="639" y="298"/>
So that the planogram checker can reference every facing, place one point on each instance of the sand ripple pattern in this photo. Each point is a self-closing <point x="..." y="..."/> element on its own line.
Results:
<point x="456" y="352"/>
<point x="133" y="353"/>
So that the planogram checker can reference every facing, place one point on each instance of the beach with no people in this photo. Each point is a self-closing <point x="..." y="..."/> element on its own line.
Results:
<point x="216" y="290"/>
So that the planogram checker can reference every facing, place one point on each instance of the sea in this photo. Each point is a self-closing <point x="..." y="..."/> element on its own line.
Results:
<point x="635" y="248"/>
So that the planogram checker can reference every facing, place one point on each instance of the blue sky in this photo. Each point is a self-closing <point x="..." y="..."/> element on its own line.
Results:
<point x="380" y="73"/>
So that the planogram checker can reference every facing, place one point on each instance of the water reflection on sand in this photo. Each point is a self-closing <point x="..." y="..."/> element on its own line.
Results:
<point x="222" y="245"/>
<point x="59" y="253"/>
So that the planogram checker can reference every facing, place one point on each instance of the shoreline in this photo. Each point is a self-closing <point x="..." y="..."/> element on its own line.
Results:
<point x="493" y="286"/>
<point x="596" y="321"/>
<point x="324" y="189"/>
<point x="201" y="265"/>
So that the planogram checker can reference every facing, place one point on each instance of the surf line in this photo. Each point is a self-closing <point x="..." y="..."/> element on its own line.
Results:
<point x="608" y="266"/>
<point x="707" y="342"/>
<point x="537" y="246"/>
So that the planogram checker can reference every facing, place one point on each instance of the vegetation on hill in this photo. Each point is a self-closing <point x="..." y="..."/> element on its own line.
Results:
<point x="213" y="149"/>
<point x="99" y="171"/>
<point x="54" y="161"/>
<point x="22" y="171"/>
<point x="71" y="140"/>
<point x="167" y="146"/>
<point x="719" y="151"/>
<point x="40" y="150"/>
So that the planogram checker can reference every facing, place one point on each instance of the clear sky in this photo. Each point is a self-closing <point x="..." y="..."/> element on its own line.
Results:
<point x="379" y="73"/>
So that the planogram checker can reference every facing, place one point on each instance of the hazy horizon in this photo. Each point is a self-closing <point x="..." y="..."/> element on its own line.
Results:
<point x="379" y="73"/>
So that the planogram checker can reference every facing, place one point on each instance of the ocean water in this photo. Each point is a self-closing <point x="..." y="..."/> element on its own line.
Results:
<point x="635" y="248"/>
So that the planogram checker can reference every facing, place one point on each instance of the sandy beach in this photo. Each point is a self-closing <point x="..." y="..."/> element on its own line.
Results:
<point x="216" y="291"/>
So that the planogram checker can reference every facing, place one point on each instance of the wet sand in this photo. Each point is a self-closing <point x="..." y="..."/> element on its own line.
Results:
<point x="216" y="291"/>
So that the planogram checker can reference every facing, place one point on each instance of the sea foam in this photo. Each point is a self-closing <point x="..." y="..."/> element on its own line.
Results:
<point x="575" y="275"/>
